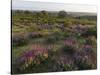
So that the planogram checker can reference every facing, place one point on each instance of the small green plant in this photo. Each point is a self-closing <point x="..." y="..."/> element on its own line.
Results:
<point x="67" y="23"/>
<point x="68" y="49"/>
<point x="19" y="40"/>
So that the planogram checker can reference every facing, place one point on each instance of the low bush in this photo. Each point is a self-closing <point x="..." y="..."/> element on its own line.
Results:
<point x="82" y="64"/>
<point x="70" y="46"/>
<point x="66" y="23"/>
<point x="90" y="32"/>
<point x="19" y="40"/>
<point x="68" y="49"/>
<point x="51" y="39"/>
<point x="34" y="35"/>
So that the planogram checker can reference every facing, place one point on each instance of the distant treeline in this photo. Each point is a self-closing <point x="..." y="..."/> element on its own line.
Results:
<point x="51" y="17"/>
<point x="54" y="13"/>
<point x="87" y="17"/>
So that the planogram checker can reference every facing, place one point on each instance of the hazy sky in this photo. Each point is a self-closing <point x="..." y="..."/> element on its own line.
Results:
<point x="31" y="5"/>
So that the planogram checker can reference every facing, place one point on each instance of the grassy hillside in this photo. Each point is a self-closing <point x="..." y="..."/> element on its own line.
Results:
<point x="45" y="41"/>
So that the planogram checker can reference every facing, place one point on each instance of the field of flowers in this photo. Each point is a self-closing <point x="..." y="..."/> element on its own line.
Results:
<point x="46" y="43"/>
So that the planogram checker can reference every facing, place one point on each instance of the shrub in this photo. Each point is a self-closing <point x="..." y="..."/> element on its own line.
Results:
<point x="68" y="49"/>
<point x="85" y="58"/>
<point x="32" y="28"/>
<point x="65" y="34"/>
<point x="56" y="36"/>
<point x="83" y="64"/>
<point x="70" y="45"/>
<point x="31" y="58"/>
<point x="68" y="67"/>
<point x="34" y="35"/>
<point x="71" y="42"/>
<point x="90" y="32"/>
<point x="19" y="40"/>
<point x="45" y="32"/>
<point x="51" y="39"/>
<point x="81" y="40"/>
<point x="66" y="23"/>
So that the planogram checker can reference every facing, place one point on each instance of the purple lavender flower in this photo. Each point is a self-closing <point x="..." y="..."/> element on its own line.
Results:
<point x="39" y="49"/>
<point x="65" y="60"/>
<point x="87" y="48"/>
<point x="27" y="55"/>
<point x="70" y="42"/>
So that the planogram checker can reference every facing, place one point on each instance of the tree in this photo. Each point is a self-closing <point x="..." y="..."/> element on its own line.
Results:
<point x="44" y="16"/>
<point x="44" y="13"/>
<point x="27" y="12"/>
<point x="62" y="14"/>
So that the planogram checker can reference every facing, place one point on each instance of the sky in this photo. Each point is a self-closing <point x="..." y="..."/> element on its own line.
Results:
<point x="33" y="5"/>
